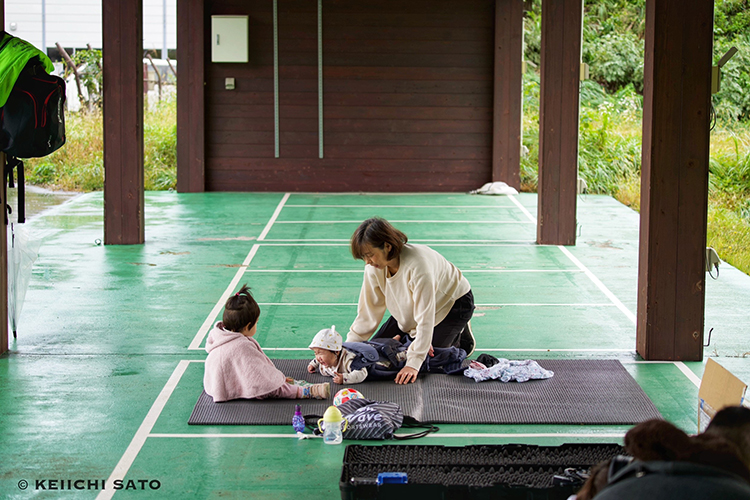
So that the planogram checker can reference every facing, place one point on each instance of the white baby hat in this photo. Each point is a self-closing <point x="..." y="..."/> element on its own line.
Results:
<point x="328" y="338"/>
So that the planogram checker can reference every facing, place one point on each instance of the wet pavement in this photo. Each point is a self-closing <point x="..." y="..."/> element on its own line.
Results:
<point x="38" y="200"/>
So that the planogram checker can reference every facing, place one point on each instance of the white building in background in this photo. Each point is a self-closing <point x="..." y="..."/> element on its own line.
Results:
<point x="77" y="23"/>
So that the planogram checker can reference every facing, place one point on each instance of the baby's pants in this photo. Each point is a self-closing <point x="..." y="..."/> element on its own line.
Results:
<point x="286" y="391"/>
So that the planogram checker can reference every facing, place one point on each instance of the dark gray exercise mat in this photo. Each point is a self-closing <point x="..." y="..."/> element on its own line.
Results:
<point x="581" y="392"/>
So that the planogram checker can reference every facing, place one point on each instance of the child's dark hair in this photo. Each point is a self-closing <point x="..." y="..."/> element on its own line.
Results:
<point x="375" y="233"/>
<point x="240" y="311"/>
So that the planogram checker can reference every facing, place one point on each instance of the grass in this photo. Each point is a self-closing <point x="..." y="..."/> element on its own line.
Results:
<point x="610" y="162"/>
<point x="79" y="164"/>
<point x="160" y="146"/>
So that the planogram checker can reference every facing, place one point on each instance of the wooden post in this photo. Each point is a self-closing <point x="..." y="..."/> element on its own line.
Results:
<point x="3" y="259"/>
<point x="122" y="56"/>
<point x="674" y="179"/>
<point x="558" y="121"/>
<point x="508" y="93"/>
<point x="191" y="154"/>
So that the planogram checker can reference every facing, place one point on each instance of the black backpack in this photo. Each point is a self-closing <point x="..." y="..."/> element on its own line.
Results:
<point x="32" y="122"/>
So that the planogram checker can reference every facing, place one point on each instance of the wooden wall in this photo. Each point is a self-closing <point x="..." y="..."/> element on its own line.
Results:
<point x="407" y="106"/>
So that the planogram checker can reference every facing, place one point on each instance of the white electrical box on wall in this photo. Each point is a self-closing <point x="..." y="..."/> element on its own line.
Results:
<point x="229" y="40"/>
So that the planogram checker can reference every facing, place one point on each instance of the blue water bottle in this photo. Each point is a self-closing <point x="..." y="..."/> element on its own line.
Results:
<point x="298" y="421"/>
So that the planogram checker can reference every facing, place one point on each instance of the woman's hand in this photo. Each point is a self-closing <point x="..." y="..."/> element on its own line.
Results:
<point x="406" y="375"/>
<point x="310" y="369"/>
<point x="431" y="352"/>
<point x="289" y="380"/>
<point x="338" y="378"/>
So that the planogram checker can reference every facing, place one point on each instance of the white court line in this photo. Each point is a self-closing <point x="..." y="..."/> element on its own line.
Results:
<point x="645" y="362"/>
<point x="530" y="435"/>
<point x="328" y="304"/>
<point x="484" y="350"/>
<point x="611" y="296"/>
<point x="679" y="364"/>
<point x="312" y="304"/>
<point x="208" y="323"/>
<point x="374" y="194"/>
<point x="688" y="373"/>
<point x="476" y="243"/>
<point x="541" y="304"/>
<point x="127" y="459"/>
<point x="555" y="350"/>
<point x="599" y="284"/>
<point x="285" y="348"/>
<point x="360" y="271"/>
<point x="431" y="207"/>
<point x="215" y="435"/>
<point x="327" y="271"/>
<point x="437" y="435"/>
<point x="521" y="271"/>
<point x="405" y="222"/>
<point x="522" y="208"/>
<point x="433" y="243"/>
<point x="273" y="217"/>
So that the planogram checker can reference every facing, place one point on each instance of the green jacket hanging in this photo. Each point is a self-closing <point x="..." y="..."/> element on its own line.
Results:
<point x="14" y="55"/>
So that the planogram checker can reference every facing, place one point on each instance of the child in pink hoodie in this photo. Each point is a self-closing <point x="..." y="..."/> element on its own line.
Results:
<point x="237" y="367"/>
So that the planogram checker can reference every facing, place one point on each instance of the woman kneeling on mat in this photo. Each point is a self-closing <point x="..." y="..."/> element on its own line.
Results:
<point x="428" y="297"/>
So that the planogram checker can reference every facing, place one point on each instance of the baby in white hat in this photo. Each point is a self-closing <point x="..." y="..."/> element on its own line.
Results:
<point x="332" y="359"/>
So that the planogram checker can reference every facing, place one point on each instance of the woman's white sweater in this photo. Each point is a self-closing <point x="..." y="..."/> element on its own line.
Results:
<point x="418" y="296"/>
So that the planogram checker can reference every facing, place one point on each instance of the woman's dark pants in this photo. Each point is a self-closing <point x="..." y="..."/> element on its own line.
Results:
<point x="447" y="333"/>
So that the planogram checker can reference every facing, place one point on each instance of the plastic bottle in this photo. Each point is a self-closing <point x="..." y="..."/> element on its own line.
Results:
<point x="298" y="421"/>
<point x="332" y="431"/>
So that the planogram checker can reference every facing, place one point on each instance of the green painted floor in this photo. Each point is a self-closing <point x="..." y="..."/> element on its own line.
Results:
<point x="108" y="361"/>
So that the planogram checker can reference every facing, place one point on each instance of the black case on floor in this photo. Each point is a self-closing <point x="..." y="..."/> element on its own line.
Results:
<point x="477" y="472"/>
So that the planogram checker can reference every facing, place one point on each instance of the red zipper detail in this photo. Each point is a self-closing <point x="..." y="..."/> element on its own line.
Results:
<point x="36" y="123"/>
<point x="44" y="109"/>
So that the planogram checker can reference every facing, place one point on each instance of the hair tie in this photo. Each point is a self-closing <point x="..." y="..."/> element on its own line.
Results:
<point x="237" y="294"/>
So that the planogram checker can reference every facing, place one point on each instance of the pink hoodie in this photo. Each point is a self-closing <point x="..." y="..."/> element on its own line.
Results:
<point x="236" y="367"/>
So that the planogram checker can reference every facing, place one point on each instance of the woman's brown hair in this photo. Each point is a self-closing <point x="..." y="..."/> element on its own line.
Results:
<point x="375" y="233"/>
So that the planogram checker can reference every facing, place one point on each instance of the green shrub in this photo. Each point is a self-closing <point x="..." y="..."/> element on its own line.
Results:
<point x="732" y="102"/>
<point x="729" y="235"/>
<point x="731" y="17"/>
<point x="160" y="146"/>
<point x="615" y="60"/>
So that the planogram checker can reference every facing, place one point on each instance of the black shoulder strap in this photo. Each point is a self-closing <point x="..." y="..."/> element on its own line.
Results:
<point x="14" y="163"/>
<point x="412" y="423"/>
